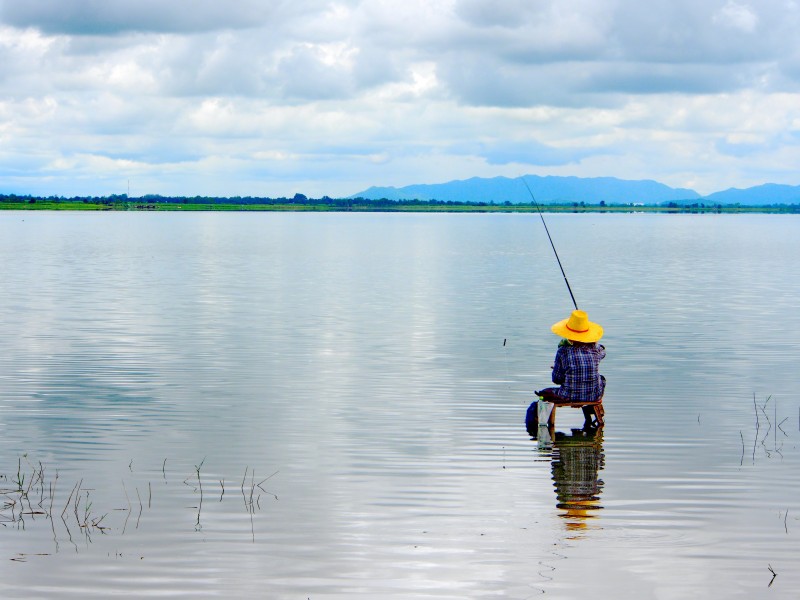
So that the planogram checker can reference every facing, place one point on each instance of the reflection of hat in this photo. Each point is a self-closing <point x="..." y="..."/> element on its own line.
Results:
<point x="578" y="328"/>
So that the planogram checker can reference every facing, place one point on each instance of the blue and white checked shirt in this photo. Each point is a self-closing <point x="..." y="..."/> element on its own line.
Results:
<point x="576" y="371"/>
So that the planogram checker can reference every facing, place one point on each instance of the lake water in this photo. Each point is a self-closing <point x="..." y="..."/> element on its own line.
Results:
<point x="331" y="406"/>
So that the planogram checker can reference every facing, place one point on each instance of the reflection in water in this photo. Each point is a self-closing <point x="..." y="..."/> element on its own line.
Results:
<point x="361" y="354"/>
<point x="577" y="459"/>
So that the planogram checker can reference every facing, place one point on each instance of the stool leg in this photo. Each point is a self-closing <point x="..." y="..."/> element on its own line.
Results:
<point x="552" y="421"/>
<point x="599" y="411"/>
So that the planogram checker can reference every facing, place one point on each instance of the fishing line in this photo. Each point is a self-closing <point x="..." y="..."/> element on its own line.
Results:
<point x="541" y="216"/>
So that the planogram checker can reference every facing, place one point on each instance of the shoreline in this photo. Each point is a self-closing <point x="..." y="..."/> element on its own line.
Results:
<point x="400" y="207"/>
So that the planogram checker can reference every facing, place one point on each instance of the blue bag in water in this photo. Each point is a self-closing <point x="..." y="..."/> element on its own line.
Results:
<point x="532" y="419"/>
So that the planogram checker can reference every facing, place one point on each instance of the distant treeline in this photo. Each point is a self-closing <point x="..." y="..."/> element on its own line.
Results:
<point x="299" y="199"/>
<point x="326" y="203"/>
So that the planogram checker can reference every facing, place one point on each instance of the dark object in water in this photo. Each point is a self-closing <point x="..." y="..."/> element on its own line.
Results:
<point x="532" y="419"/>
<point x="593" y="414"/>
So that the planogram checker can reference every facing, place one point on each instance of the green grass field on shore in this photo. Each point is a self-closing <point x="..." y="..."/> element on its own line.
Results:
<point x="381" y="206"/>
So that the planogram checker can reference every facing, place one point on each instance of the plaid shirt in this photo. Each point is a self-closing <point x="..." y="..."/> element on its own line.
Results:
<point x="576" y="371"/>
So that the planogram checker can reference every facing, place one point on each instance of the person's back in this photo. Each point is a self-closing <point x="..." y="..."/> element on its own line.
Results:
<point x="576" y="367"/>
<point x="576" y="370"/>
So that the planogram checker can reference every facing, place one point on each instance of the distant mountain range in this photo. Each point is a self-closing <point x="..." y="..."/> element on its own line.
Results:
<point x="591" y="190"/>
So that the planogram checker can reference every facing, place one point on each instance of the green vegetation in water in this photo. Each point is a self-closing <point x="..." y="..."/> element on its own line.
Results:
<point x="33" y="496"/>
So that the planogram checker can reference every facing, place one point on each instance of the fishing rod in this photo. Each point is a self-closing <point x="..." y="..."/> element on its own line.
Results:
<point x="541" y="216"/>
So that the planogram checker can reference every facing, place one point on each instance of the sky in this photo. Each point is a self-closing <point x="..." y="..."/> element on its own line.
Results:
<point x="274" y="97"/>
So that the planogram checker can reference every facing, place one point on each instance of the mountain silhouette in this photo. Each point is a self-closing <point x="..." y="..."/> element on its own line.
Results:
<point x="591" y="190"/>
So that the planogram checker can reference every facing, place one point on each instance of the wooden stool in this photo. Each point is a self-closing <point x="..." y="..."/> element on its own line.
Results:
<point x="597" y="410"/>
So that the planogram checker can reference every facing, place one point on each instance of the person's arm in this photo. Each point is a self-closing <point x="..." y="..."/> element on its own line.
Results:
<point x="559" y="367"/>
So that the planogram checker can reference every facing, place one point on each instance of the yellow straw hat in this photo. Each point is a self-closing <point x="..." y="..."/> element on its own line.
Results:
<point x="578" y="328"/>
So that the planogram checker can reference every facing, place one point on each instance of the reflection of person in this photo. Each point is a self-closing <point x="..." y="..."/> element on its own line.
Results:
<point x="577" y="363"/>
<point x="577" y="461"/>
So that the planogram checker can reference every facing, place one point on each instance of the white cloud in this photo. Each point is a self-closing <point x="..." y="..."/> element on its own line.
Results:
<point x="98" y="17"/>
<point x="738" y="16"/>
<point x="335" y="96"/>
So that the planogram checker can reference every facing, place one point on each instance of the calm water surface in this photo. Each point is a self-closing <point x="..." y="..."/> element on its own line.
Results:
<point x="323" y="406"/>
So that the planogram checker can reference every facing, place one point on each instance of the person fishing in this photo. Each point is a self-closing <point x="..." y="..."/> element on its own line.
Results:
<point x="576" y="366"/>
